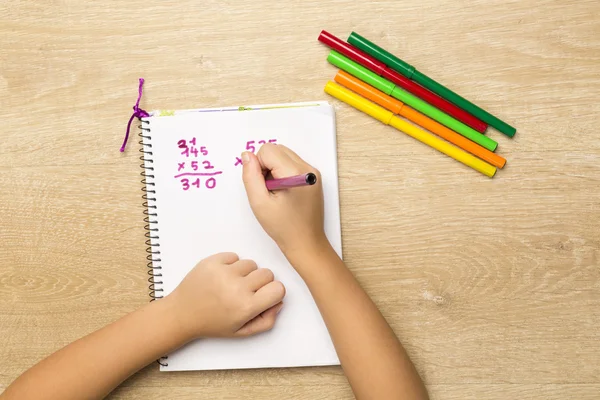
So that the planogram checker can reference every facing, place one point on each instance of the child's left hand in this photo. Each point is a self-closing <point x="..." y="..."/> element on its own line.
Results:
<point x="224" y="296"/>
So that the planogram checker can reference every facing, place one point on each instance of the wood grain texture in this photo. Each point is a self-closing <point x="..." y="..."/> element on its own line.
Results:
<point x="492" y="285"/>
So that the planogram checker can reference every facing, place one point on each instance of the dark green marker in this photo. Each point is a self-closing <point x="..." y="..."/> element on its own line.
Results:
<point x="411" y="72"/>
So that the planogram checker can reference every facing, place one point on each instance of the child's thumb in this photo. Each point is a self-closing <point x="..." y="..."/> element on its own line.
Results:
<point x="254" y="180"/>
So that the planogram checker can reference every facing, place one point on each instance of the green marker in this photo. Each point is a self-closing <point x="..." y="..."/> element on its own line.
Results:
<point x="411" y="72"/>
<point x="389" y="88"/>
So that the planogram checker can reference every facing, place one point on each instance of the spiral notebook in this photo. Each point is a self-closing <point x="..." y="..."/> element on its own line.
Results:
<point x="197" y="206"/>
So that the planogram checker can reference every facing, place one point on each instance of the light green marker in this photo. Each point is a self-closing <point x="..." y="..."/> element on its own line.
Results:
<point x="389" y="88"/>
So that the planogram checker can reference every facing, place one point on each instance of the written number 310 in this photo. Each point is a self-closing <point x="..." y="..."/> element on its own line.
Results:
<point x="210" y="183"/>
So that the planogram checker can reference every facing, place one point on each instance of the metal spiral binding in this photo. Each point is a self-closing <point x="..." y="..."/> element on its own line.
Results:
<point x="151" y="215"/>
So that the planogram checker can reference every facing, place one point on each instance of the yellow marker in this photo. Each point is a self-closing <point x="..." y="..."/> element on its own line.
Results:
<point x="388" y="118"/>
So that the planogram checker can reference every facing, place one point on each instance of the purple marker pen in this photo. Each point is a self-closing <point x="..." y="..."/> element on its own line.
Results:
<point x="292" y="181"/>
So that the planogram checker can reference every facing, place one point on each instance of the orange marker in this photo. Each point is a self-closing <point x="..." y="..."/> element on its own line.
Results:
<point x="397" y="107"/>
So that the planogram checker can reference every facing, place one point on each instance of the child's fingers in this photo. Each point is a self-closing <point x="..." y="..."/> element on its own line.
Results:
<point x="259" y="278"/>
<point x="254" y="180"/>
<point x="276" y="160"/>
<point x="261" y="323"/>
<point x="290" y="153"/>
<point x="266" y="297"/>
<point x="306" y="167"/>
<point x="244" y="267"/>
<point x="223" y="258"/>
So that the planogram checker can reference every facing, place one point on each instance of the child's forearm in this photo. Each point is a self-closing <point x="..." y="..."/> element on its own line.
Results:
<point x="222" y="296"/>
<point x="373" y="359"/>
<point x="93" y="366"/>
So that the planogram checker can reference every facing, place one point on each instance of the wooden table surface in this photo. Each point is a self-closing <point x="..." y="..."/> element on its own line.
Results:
<point x="493" y="285"/>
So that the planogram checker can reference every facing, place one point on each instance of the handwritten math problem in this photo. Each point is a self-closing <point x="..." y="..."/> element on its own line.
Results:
<point x="196" y="172"/>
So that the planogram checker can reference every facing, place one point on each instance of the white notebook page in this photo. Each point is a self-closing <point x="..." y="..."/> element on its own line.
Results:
<point x="199" y="215"/>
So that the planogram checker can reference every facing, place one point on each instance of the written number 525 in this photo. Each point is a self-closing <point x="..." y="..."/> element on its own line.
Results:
<point x="250" y="144"/>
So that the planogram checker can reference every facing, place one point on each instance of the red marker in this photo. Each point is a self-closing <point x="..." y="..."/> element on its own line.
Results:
<point x="382" y="70"/>
<point x="292" y="181"/>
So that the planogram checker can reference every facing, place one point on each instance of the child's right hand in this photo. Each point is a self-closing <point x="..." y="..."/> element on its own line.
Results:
<point x="292" y="217"/>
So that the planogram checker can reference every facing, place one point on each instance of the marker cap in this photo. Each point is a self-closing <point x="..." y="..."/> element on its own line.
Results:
<point x="358" y="102"/>
<point x="369" y="92"/>
<point x="352" y="52"/>
<point x="360" y="72"/>
<point x="386" y="57"/>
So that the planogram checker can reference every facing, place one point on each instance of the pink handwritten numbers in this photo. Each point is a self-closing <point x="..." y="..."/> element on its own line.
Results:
<point x="252" y="146"/>
<point x="194" y="172"/>
<point x="191" y="150"/>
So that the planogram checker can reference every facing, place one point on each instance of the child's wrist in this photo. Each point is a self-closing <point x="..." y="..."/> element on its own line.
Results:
<point x="174" y="312"/>
<point x="307" y="255"/>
